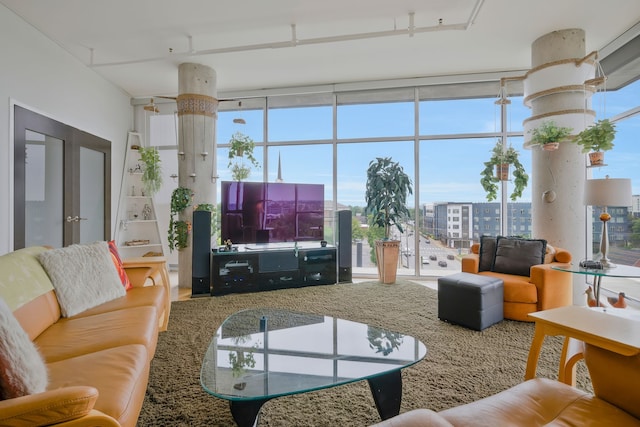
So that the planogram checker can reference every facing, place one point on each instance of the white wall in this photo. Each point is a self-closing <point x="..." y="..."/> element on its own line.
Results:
<point x="39" y="75"/>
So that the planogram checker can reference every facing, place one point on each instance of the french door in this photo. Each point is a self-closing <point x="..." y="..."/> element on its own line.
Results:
<point x="62" y="183"/>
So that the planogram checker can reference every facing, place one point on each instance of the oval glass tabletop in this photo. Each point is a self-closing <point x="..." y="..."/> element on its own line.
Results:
<point x="618" y="271"/>
<point x="266" y="353"/>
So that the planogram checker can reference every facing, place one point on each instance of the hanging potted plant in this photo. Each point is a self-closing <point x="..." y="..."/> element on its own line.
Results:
<point x="549" y="135"/>
<point x="387" y="189"/>
<point x="501" y="160"/>
<point x="241" y="147"/>
<point x="151" y="172"/>
<point x="178" y="234"/>
<point x="596" y="139"/>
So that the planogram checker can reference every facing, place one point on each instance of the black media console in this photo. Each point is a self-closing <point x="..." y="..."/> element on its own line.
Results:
<point x="262" y="267"/>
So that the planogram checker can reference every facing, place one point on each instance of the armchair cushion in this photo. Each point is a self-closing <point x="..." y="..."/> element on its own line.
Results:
<point x="487" y="253"/>
<point x="517" y="256"/>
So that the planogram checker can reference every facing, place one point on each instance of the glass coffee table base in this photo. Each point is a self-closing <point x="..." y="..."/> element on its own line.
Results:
<point x="386" y="390"/>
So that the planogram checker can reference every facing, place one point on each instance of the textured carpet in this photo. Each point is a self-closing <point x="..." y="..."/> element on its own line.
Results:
<point x="461" y="365"/>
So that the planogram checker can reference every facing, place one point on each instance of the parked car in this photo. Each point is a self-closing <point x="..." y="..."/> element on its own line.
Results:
<point x="433" y="257"/>
<point x="424" y="261"/>
<point x="450" y="257"/>
<point x="442" y="263"/>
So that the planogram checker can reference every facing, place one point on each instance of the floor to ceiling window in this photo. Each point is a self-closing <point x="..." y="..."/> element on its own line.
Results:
<point x="441" y="135"/>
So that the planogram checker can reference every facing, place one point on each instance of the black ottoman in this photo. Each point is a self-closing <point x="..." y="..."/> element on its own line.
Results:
<point x="470" y="300"/>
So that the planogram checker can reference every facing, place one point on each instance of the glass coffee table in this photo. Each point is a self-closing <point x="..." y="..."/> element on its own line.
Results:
<point x="260" y="354"/>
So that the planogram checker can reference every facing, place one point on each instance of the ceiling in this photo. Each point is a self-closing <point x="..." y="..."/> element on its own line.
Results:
<point x="259" y="44"/>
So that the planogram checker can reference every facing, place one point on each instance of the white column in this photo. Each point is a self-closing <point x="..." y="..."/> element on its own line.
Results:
<point x="197" y="107"/>
<point x="554" y="89"/>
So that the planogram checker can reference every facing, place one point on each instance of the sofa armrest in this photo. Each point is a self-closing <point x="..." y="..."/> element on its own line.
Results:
<point x="471" y="263"/>
<point x="555" y="288"/>
<point x="416" y="418"/>
<point x="158" y="275"/>
<point x="52" y="407"/>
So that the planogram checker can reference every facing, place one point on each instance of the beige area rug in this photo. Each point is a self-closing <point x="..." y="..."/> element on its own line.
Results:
<point x="461" y="365"/>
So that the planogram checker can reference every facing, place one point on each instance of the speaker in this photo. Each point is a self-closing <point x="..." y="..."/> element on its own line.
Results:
<point x="344" y="246"/>
<point x="201" y="255"/>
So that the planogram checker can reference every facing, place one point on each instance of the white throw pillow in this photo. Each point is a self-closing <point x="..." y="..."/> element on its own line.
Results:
<point x="83" y="276"/>
<point x="22" y="370"/>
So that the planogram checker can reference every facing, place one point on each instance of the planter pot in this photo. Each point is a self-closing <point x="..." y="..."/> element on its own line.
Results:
<point x="551" y="146"/>
<point x="596" y="158"/>
<point x="387" y="252"/>
<point x="502" y="172"/>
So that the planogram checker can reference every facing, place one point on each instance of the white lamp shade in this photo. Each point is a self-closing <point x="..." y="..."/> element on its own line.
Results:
<point x="607" y="192"/>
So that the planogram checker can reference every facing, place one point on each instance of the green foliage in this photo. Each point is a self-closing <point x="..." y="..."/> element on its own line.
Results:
<point x="240" y="147"/>
<point x="635" y="233"/>
<point x="598" y="137"/>
<point x="356" y="229"/>
<point x="151" y="173"/>
<point x="178" y="232"/>
<point x="489" y="180"/>
<point x="388" y="187"/>
<point x="548" y="132"/>
<point x="373" y="234"/>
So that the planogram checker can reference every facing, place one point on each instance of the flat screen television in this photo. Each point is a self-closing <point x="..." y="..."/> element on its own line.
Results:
<point x="268" y="212"/>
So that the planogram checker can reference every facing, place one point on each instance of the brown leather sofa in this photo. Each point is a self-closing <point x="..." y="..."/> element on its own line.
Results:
<point x="542" y="289"/>
<point x="98" y="361"/>
<point x="545" y="402"/>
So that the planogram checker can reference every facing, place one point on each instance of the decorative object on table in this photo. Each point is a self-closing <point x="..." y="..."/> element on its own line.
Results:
<point x="146" y="212"/>
<point x="387" y="189"/>
<point x="591" y="298"/>
<point x="604" y="193"/>
<point x="178" y="234"/>
<point x="549" y="135"/>
<point x="501" y="160"/>
<point x="137" y="242"/>
<point x="596" y="139"/>
<point x="152" y="173"/>
<point x="618" y="302"/>
<point x="240" y="147"/>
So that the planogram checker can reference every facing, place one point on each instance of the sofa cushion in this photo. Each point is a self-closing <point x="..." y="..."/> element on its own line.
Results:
<point x="22" y="370"/>
<point x="23" y="277"/>
<point x="120" y="375"/>
<point x="487" y="253"/>
<point x="71" y="337"/>
<point x="516" y="256"/>
<point x="154" y="296"/>
<point x="117" y="262"/>
<point x="83" y="276"/>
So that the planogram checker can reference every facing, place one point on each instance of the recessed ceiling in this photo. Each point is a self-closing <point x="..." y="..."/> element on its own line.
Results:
<point x="257" y="44"/>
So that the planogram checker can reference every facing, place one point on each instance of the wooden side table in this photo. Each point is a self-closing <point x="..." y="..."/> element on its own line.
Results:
<point x="579" y="325"/>
<point x="158" y="272"/>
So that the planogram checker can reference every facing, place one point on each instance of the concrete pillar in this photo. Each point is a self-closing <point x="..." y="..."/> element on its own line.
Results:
<point x="555" y="90"/>
<point x="197" y="107"/>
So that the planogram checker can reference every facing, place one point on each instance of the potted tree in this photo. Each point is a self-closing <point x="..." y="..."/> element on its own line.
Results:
<point x="240" y="147"/>
<point x="500" y="161"/>
<point x="549" y="134"/>
<point x="387" y="189"/>
<point x="596" y="139"/>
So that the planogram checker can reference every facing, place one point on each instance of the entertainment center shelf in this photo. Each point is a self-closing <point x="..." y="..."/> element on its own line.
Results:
<point x="262" y="267"/>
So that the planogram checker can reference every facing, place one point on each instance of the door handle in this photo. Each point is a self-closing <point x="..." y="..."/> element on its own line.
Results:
<point x="75" y="219"/>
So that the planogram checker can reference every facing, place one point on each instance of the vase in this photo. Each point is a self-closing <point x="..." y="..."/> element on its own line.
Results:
<point x="596" y="158"/>
<point x="387" y="253"/>
<point x="502" y="171"/>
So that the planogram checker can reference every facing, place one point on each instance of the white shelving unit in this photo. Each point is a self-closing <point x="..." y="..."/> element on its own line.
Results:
<point x="136" y="232"/>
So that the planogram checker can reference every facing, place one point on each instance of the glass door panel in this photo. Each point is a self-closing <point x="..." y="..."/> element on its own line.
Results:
<point x="44" y="190"/>
<point x="92" y="195"/>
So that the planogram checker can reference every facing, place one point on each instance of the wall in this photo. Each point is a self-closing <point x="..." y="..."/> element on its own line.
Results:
<point x="39" y="75"/>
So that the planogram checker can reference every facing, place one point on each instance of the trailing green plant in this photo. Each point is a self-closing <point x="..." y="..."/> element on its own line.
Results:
<point x="241" y="147"/>
<point x="548" y="132"/>
<point x="597" y="137"/>
<point x="208" y="207"/>
<point x="388" y="187"/>
<point x="500" y="156"/>
<point x="151" y="173"/>
<point x="178" y="234"/>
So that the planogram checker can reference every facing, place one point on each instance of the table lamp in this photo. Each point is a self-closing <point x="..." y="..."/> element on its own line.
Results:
<point x="603" y="193"/>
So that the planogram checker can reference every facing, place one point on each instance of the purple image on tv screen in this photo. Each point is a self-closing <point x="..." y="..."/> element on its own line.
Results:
<point x="256" y="212"/>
